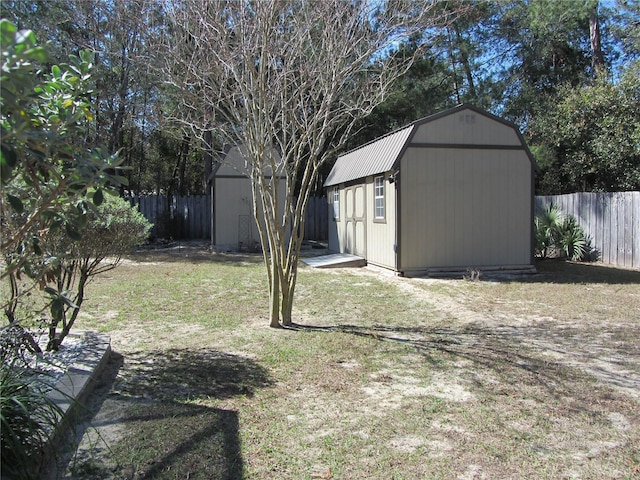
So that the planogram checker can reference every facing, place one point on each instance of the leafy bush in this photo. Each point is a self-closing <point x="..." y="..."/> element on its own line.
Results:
<point x="50" y="177"/>
<point x="559" y="235"/>
<point x="113" y="229"/>
<point x="51" y="183"/>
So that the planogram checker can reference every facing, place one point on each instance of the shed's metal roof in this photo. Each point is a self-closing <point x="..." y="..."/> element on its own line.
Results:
<point x="379" y="156"/>
<point x="373" y="158"/>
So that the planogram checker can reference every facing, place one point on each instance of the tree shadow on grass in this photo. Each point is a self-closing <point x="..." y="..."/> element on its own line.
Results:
<point x="508" y="352"/>
<point x="559" y="271"/>
<point x="567" y="272"/>
<point x="158" y="421"/>
<point x="181" y="375"/>
<point x="187" y="252"/>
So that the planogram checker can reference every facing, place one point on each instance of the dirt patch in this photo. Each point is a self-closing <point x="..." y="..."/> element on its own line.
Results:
<point x="546" y="335"/>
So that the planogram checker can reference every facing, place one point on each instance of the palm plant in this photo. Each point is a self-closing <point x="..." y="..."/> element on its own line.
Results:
<point x="573" y="239"/>
<point x="559" y="235"/>
<point x="547" y="225"/>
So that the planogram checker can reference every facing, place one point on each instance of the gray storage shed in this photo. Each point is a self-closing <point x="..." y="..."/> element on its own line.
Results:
<point x="448" y="192"/>
<point x="233" y="225"/>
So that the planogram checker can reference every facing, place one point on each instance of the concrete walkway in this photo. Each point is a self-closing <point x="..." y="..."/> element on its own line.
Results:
<point x="73" y="389"/>
<point x="335" y="260"/>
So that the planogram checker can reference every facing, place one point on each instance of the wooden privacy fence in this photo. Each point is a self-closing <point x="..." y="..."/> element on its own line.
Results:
<point x="180" y="218"/>
<point x="610" y="219"/>
<point x="316" y="222"/>
<point x="190" y="217"/>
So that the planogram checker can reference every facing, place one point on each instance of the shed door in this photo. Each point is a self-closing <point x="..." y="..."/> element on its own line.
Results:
<point x="355" y="231"/>
<point x="244" y="231"/>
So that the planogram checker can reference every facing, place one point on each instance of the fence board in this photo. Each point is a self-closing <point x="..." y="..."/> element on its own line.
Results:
<point x="611" y="220"/>
<point x="635" y="228"/>
<point x="180" y="217"/>
<point x="598" y="235"/>
<point x="624" y="246"/>
<point x="608" y="252"/>
<point x="316" y="219"/>
<point x="189" y="217"/>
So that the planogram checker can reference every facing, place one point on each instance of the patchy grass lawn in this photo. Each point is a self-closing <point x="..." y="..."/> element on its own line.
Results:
<point x="384" y="378"/>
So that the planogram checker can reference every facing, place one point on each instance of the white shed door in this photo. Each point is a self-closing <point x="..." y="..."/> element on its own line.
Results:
<point x="355" y="231"/>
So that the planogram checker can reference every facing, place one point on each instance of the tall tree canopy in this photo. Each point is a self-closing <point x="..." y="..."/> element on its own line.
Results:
<point x="590" y="139"/>
<point x="127" y="96"/>
<point x="514" y="58"/>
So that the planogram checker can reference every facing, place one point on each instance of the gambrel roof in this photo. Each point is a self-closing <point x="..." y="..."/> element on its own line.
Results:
<point x="373" y="158"/>
<point x="380" y="156"/>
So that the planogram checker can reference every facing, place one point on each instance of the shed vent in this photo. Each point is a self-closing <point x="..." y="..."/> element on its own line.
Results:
<point x="467" y="118"/>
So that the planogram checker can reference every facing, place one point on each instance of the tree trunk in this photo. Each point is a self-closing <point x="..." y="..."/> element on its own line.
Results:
<point x="454" y="70"/>
<point x="464" y="58"/>
<point x="597" y="58"/>
<point x="270" y="245"/>
<point x="286" y="307"/>
<point x="274" y="295"/>
<point x="286" y="300"/>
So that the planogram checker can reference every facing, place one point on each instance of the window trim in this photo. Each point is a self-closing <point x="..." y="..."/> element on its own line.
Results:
<point x="335" y="200"/>
<point x="382" y="198"/>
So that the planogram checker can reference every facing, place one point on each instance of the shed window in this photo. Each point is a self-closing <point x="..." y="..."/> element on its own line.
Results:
<point x="379" y="197"/>
<point x="335" y="193"/>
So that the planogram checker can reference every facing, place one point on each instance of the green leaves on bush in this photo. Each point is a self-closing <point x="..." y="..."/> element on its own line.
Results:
<point x="112" y="230"/>
<point x="558" y="235"/>
<point x="56" y="227"/>
<point x="52" y="179"/>
<point x="47" y="170"/>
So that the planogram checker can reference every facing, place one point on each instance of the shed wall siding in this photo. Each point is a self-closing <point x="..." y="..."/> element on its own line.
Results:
<point x="463" y="208"/>
<point x="356" y="232"/>
<point x="233" y="201"/>
<point x="466" y="128"/>
<point x="381" y="235"/>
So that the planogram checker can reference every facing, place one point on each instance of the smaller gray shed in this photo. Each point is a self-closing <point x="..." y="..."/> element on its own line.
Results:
<point x="233" y="225"/>
<point x="448" y="192"/>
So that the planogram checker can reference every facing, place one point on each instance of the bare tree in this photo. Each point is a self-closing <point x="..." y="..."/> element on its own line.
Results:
<point x="289" y="80"/>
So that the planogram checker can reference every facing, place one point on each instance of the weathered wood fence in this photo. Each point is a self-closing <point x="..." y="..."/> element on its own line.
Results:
<point x="611" y="220"/>
<point x="190" y="217"/>
<point x="316" y="222"/>
<point x="180" y="218"/>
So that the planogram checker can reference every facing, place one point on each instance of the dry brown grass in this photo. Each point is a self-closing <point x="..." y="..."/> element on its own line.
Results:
<point x="384" y="377"/>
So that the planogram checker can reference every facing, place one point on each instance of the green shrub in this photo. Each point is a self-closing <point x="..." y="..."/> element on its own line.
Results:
<point x="113" y="230"/>
<point x="559" y="236"/>
<point x="573" y="240"/>
<point x="50" y="179"/>
<point x="49" y="176"/>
